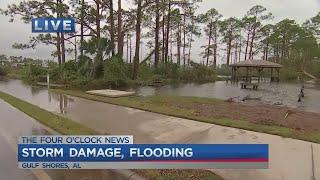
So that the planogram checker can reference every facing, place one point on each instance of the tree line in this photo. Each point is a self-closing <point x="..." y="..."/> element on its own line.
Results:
<point x="169" y="29"/>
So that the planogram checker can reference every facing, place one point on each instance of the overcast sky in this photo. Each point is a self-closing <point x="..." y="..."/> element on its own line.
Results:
<point x="299" y="10"/>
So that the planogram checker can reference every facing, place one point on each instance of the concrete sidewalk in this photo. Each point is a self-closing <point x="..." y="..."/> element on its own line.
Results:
<point x="289" y="158"/>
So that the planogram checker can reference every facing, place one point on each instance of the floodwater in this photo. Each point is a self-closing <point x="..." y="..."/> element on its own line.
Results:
<point x="285" y="94"/>
<point x="14" y="123"/>
<point x="149" y="127"/>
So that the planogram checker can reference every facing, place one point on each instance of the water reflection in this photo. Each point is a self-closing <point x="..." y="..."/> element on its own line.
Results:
<point x="39" y="96"/>
<point x="35" y="90"/>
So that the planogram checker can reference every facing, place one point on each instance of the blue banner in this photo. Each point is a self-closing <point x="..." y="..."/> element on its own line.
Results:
<point x="53" y="25"/>
<point x="143" y="152"/>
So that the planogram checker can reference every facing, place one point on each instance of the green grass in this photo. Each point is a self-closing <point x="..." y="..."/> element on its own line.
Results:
<point x="68" y="127"/>
<point x="161" y="104"/>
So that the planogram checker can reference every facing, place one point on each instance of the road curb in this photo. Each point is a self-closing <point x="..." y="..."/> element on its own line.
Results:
<point x="125" y="173"/>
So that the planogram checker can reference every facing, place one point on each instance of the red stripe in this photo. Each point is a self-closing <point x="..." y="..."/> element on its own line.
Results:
<point x="212" y="160"/>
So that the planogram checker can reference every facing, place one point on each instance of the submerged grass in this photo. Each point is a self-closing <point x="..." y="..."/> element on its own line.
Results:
<point x="68" y="127"/>
<point x="162" y="105"/>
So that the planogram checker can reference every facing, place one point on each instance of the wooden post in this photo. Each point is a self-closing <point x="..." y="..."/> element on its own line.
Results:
<point x="48" y="80"/>
<point x="271" y="74"/>
<point x="247" y="74"/>
<point x="235" y="74"/>
<point x="231" y="74"/>
<point x="259" y="72"/>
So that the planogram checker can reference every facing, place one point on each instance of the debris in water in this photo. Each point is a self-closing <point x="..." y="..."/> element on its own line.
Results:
<point x="232" y="99"/>
<point x="278" y="103"/>
<point x="289" y="112"/>
<point x="301" y="94"/>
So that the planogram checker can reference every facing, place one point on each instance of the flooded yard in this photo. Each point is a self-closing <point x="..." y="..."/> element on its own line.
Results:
<point x="284" y="94"/>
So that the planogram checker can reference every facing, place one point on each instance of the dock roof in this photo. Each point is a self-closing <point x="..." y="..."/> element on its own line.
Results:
<point x="256" y="63"/>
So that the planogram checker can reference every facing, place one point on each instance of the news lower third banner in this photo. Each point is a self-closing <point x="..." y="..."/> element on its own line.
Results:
<point x="119" y="152"/>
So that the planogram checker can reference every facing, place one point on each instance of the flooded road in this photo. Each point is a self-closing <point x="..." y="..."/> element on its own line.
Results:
<point x="13" y="124"/>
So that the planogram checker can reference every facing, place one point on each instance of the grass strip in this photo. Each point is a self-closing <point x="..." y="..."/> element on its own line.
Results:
<point x="161" y="105"/>
<point x="68" y="127"/>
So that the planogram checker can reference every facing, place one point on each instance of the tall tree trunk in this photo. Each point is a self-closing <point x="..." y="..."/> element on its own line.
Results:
<point x="252" y="41"/>
<point x="190" y="46"/>
<point x="127" y="48"/>
<point x="171" y="45"/>
<point x="179" y="45"/>
<point x="63" y="49"/>
<point x="112" y="30"/>
<point x="82" y="27"/>
<point x="163" y="35"/>
<point x="75" y="49"/>
<point x="58" y="49"/>
<point x="138" y="35"/>
<point x="229" y="51"/>
<point x="62" y="43"/>
<point x="99" y="56"/>
<point x="267" y="51"/>
<point x="209" y="43"/>
<point x="168" y="30"/>
<point x="184" y="40"/>
<point x="235" y="53"/>
<point x="247" y="45"/>
<point x="156" y="52"/>
<point x="215" y="46"/>
<point x="130" y="50"/>
<point x="120" y="33"/>
<point x="240" y="48"/>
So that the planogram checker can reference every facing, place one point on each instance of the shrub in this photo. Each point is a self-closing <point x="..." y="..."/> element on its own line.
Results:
<point x="168" y="70"/>
<point x="145" y="72"/>
<point x="224" y="70"/>
<point x="116" y="72"/>
<point x="3" y="71"/>
<point x="199" y="73"/>
<point x="290" y="74"/>
<point x="34" y="72"/>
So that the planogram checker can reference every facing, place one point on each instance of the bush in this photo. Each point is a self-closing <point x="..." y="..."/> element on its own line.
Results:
<point x="34" y="72"/>
<point x="116" y="72"/>
<point x="168" y="70"/>
<point x="290" y="74"/>
<point x="198" y="73"/>
<point x="145" y="72"/>
<point x="224" y="70"/>
<point x="314" y="68"/>
<point x="3" y="71"/>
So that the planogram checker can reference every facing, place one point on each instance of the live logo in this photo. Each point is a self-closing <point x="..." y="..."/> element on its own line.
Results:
<point x="53" y="25"/>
